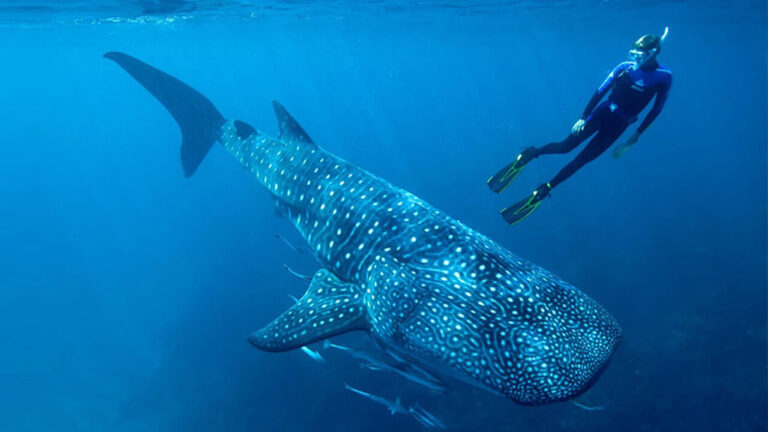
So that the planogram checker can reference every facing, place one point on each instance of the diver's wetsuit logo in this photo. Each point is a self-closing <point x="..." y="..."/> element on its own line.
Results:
<point x="639" y="85"/>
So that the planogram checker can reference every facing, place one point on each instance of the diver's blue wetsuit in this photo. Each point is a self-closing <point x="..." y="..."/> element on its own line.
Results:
<point x="631" y="91"/>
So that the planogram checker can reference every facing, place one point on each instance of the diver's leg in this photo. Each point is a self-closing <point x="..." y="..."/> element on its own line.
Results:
<point x="600" y="143"/>
<point x="500" y="181"/>
<point x="571" y="141"/>
<point x="608" y="130"/>
<point x="522" y="209"/>
<point x="559" y="147"/>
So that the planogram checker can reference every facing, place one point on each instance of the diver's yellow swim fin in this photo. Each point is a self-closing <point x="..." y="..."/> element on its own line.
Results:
<point x="521" y="210"/>
<point x="502" y="179"/>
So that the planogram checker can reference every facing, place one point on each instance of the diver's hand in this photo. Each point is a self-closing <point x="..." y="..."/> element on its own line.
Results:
<point x="621" y="149"/>
<point x="578" y="127"/>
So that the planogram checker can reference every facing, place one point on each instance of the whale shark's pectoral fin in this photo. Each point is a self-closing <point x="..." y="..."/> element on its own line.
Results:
<point x="290" y="130"/>
<point x="328" y="308"/>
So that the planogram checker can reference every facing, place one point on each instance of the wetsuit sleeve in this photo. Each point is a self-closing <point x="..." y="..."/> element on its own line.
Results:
<point x="603" y="89"/>
<point x="658" y="105"/>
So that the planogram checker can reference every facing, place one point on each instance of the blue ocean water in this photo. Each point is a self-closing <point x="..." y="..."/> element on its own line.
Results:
<point x="128" y="291"/>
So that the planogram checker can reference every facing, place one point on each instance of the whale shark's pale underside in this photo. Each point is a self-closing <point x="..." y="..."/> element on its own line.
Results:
<point x="422" y="284"/>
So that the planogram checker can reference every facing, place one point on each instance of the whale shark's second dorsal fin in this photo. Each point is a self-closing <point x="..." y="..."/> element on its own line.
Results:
<point x="290" y="130"/>
<point x="328" y="308"/>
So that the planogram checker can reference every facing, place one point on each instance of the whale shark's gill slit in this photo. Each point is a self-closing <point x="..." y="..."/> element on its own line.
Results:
<point x="198" y="119"/>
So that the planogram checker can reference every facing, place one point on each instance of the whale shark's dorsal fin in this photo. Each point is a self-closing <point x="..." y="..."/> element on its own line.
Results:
<point x="328" y="308"/>
<point x="290" y="130"/>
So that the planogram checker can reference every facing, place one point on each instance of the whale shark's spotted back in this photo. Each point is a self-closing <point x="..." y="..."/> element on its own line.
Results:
<point x="423" y="284"/>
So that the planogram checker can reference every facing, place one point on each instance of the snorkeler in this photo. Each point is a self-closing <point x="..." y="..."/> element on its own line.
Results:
<point x="632" y="84"/>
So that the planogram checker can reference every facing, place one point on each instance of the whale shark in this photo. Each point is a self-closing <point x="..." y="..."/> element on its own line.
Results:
<point x="423" y="285"/>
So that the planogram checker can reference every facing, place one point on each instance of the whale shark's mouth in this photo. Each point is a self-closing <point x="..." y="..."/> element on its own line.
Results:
<point x="595" y="377"/>
<point x="599" y="353"/>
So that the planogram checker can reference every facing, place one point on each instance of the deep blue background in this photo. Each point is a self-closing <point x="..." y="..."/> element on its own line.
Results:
<point x="127" y="291"/>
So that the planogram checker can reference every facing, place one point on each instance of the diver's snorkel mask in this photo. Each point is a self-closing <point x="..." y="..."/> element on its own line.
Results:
<point x="645" y="49"/>
<point x="639" y="56"/>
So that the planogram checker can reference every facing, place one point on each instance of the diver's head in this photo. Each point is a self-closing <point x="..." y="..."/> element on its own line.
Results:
<point x="647" y="43"/>
<point x="645" y="50"/>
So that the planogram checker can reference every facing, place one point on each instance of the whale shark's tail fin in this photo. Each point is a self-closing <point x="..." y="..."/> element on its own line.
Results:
<point x="199" y="120"/>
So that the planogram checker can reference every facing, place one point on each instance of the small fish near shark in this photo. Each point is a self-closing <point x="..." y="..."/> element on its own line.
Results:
<point x="424" y="417"/>
<point x="408" y="371"/>
<point x="423" y="285"/>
